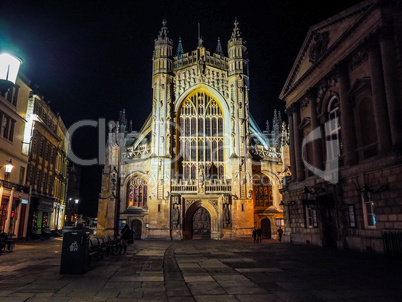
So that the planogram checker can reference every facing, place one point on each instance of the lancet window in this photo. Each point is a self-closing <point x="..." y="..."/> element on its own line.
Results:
<point x="137" y="194"/>
<point x="201" y="138"/>
<point x="262" y="191"/>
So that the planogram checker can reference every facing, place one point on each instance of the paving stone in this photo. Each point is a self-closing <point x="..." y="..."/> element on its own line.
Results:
<point x="201" y="271"/>
<point x="258" y="298"/>
<point x="198" y="278"/>
<point x="205" y="288"/>
<point x="216" y="298"/>
<point x="233" y="287"/>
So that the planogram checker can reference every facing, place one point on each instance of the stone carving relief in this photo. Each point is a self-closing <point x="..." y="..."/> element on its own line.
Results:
<point x="200" y="74"/>
<point x="176" y="211"/>
<point x="214" y="203"/>
<point x="319" y="46"/>
<point x="226" y="211"/>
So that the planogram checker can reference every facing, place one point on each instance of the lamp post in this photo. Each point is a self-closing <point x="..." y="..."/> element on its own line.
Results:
<point x="306" y="194"/>
<point x="9" y="167"/>
<point x="9" y="67"/>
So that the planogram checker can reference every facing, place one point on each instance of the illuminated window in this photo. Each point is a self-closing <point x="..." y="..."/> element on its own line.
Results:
<point x="7" y="126"/>
<point x="368" y="212"/>
<point x="137" y="191"/>
<point x="334" y="130"/>
<point x="311" y="216"/>
<point x="352" y="216"/>
<point x="262" y="189"/>
<point x="201" y="138"/>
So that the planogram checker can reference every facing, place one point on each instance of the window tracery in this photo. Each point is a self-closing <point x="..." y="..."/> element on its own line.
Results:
<point x="201" y="138"/>
<point x="262" y="191"/>
<point x="137" y="190"/>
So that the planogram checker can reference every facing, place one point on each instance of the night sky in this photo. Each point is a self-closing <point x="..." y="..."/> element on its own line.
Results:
<point x="91" y="59"/>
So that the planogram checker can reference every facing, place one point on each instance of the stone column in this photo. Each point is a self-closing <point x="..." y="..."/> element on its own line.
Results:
<point x="347" y="120"/>
<point x="379" y="99"/>
<point x="292" y="144"/>
<point x="391" y="81"/>
<point x="297" y="142"/>
<point x="317" y="146"/>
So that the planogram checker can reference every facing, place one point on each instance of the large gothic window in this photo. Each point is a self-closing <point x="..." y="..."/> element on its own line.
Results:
<point x="201" y="138"/>
<point x="137" y="193"/>
<point x="262" y="191"/>
<point x="334" y="130"/>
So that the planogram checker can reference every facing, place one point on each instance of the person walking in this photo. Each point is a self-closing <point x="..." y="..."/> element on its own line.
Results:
<point x="259" y="233"/>
<point x="280" y="233"/>
<point x="255" y="235"/>
<point x="125" y="236"/>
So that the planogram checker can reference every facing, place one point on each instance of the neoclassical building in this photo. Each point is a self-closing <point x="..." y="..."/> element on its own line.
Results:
<point x="199" y="167"/>
<point x="343" y="100"/>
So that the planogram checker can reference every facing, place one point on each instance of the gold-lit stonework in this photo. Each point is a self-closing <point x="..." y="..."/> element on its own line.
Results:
<point x="190" y="172"/>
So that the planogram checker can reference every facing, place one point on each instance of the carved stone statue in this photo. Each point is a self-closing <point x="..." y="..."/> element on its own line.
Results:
<point x="226" y="215"/>
<point x="176" y="215"/>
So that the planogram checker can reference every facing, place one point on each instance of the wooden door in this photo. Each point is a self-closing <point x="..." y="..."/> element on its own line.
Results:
<point x="3" y="213"/>
<point x="22" y="221"/>
<point x="266" y="228"/>
<point x="201" y="224"/>
<point x="137" y="228"/>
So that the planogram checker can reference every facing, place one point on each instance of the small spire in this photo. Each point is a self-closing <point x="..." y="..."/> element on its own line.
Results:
<point x="236" y="31"/>
<point x="122" y="117"/>
<point x="267" y="126"/>
<point x="164" y="31"/>
<point x="219" y="49"/>
<point x="180" y="50"/>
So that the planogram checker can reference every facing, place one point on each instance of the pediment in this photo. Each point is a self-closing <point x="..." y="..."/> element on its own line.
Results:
<point x="321" y="40"/>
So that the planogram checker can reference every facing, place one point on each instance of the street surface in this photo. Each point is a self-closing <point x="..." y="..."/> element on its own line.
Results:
<point x="202" y="271"/>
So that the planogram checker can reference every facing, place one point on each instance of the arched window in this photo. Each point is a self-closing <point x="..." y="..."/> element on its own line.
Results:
<point x="201" y="138"/>
<point x="262" y="191"/>
<point x="137" y="193"/>
<point x="333" y="132"/>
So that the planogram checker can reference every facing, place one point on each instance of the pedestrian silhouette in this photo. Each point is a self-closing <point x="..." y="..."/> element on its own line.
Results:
<point x="125" y="236"/>
<point x="259" y="232"/>
<point x="255" y="235"/>
<point x="280" y="233"/>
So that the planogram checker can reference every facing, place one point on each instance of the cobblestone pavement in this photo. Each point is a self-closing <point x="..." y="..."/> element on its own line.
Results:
<point x="202" y="271"/>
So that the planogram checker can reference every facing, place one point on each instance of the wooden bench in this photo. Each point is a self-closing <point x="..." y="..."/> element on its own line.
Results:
<point x="93" y="252"/>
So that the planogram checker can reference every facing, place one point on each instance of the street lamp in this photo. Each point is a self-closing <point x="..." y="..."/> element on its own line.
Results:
<point x="306" y="194"/>
<point x="9" y="167"/>
<point x="9" y="66"/>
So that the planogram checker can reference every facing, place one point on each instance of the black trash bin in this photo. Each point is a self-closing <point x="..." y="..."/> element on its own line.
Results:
<point x="74" y="254"/>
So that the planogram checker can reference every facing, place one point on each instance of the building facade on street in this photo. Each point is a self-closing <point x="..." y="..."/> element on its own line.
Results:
<point x="200" y="167"/>
<point x="343" y="100"/>
<point x="14" y="207"/>
<point x="46" y="144"/>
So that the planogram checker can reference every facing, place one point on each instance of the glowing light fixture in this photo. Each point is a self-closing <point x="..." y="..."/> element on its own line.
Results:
<point x="9" y="67"/>
<point x="9" y="167"/>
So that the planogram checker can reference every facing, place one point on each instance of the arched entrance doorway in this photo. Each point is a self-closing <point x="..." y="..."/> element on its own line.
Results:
<point x="201" y="224"/>
<point x="136" y="226"/>
<point x="266" y="228"/>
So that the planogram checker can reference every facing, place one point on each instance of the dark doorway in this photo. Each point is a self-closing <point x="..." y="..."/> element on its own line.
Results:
<point x="328" y="219"/>
<point x="22" y="221"/>
<point x="201" y="224"/>
<point x="266" y="228"/>
<point x="137" y="228"/>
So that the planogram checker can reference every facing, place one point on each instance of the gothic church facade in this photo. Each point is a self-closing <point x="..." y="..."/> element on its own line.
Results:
<point x="199" y="168"/>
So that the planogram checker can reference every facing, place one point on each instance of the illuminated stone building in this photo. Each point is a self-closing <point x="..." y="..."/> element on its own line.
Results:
<point x="343" y="100"/>
<point x="46" y="143"/>
<point x="199" y="167"/>
<point x="14" y="207"/>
